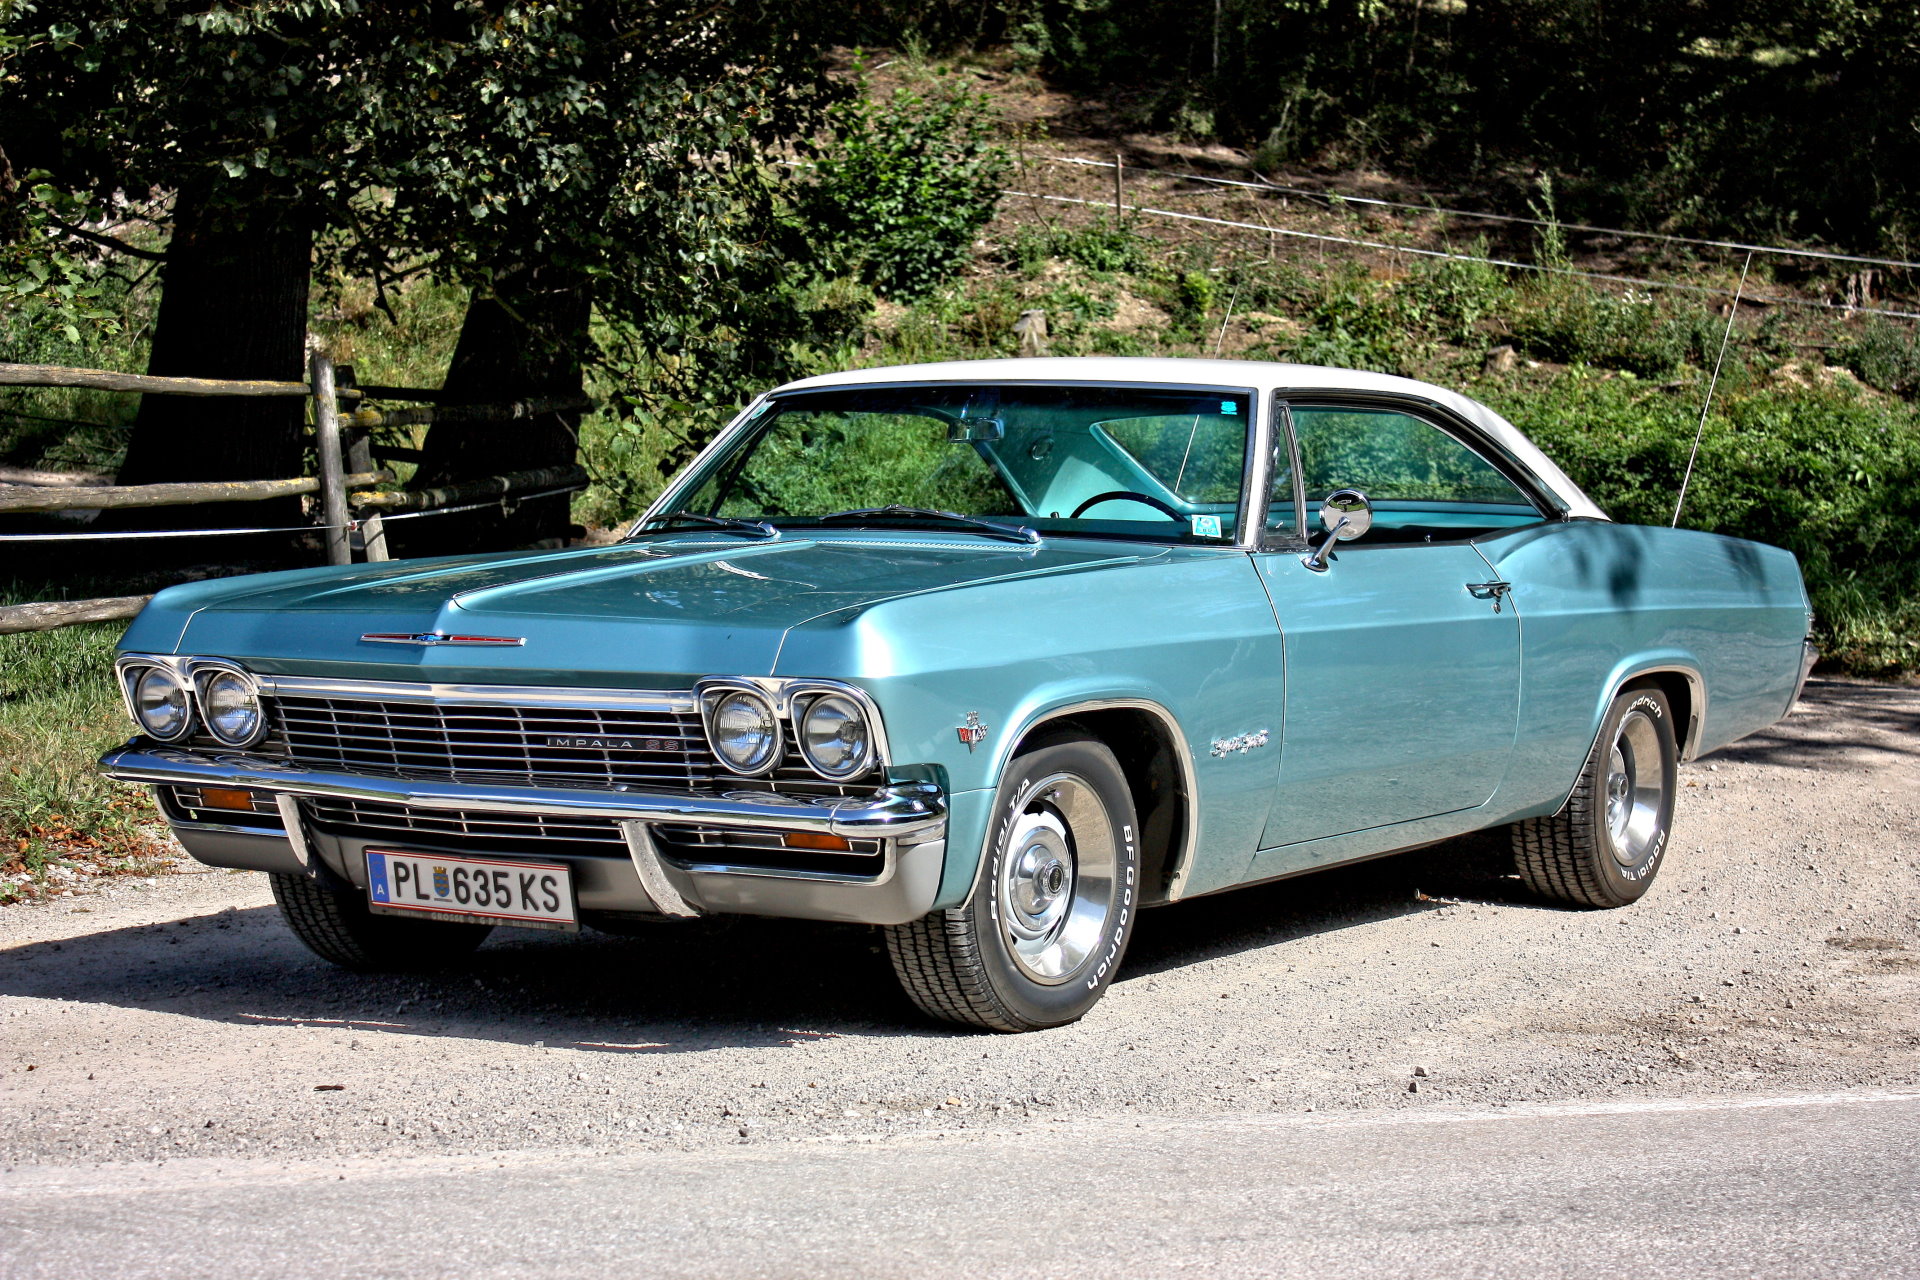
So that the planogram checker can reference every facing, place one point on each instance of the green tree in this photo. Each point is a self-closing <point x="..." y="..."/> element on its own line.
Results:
<point x="556" y="156"/>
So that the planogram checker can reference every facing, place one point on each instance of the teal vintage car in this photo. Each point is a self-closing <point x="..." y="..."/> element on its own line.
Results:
<point x="991" y="655"/>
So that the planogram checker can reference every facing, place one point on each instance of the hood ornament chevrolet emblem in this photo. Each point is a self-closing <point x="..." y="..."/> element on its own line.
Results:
<point x="438" y="637"/>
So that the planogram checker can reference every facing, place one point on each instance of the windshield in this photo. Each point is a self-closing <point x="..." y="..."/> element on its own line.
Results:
<point x="1129" y="462"/>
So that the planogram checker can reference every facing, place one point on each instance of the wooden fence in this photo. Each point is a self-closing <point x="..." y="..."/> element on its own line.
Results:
<point x="343" y="426"/>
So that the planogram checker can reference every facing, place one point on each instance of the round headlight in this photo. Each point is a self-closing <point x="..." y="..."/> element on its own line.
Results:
<point x="161" y="704"/>
<point x="232" y="708"/>
<point x="746" y="732"/>
<point x="835" y="736"/>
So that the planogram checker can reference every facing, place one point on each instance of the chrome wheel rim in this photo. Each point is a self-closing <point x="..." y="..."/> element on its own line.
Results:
<point x="1055" y="887"/>
<point x="1635" y="789"/>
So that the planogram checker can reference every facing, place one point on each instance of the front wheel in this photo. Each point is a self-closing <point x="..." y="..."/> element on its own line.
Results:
<point x="1606" y="844"/>
<point x="1050" y="919"/>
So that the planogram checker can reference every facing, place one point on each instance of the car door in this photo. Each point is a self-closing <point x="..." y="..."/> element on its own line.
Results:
<point x="1402" y="648"/>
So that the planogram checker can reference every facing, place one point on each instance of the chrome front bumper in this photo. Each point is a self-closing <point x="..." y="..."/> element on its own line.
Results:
<point x="909" y="817"/>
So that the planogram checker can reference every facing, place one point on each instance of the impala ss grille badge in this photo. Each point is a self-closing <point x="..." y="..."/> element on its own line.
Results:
<point x="611" y="742"/>
<point x="439" y="637"/>
<point x="973" y="733"/>
<point x="1242" y="744"/>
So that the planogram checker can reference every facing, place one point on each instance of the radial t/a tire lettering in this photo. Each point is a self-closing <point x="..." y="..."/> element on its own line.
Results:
<point x="340" y="928"/>
<point x="1053" y="910"/>
<point x="1609" y="840"/>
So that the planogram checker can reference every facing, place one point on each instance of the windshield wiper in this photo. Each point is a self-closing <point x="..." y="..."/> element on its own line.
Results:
<point x="893" y="512"/>
<point x="754" y="528"/>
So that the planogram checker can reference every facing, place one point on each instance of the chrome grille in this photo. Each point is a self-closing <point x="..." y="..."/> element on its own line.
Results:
<point x="485" y="743"/>
<point x="461" y="828"/>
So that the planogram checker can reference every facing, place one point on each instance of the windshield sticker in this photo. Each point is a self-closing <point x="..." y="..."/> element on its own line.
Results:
<point x="1205" y="526"/>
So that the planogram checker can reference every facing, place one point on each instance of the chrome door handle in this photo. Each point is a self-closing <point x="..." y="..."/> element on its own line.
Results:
<point x="1494" y="591"/>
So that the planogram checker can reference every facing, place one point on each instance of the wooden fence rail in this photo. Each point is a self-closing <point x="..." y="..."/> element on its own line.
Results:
<point x="341" y="441"/>
<point x="20" y="498"/>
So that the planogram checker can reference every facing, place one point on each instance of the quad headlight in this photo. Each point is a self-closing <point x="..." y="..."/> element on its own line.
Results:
<point x="752" y="724"/>
<point x="230" y="704"/>
<point x="836" y="736"/>
<point x="744" y="730"/>
<point x="160" y="701"/>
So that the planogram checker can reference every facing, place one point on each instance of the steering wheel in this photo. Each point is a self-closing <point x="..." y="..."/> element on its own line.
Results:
<point x="1130" y="496"/>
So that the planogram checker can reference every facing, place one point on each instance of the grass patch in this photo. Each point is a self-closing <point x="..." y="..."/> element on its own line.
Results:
<point x="61" y="823"/>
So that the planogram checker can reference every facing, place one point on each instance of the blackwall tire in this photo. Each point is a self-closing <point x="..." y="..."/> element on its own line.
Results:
<point x="1054" y="907"/>
<point x="1606" y="845"/>
<point x="339" y="928"/>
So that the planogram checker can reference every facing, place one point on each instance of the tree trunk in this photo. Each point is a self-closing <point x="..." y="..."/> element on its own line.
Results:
<point x="523" y="346"/>
<point x="233" y="304"/>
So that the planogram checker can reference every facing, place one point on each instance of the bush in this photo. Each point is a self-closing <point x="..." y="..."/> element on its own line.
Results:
<point x="1828" y="474"/>
<point x="903" y="187"/>
<point x="1885" y="356"/>
<point x="1576" y="323"/>
<point x="1105" y="245"/>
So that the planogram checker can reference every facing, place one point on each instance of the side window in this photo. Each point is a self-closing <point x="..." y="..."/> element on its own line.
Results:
<point x="1424" y="484"/>
<point x="1393" y="457"/>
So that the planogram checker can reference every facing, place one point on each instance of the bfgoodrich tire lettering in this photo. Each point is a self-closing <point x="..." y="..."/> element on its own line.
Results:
<point x="1607" y="843"/>
<point x="340" y="928"/>
<point x="1051" y="917"/>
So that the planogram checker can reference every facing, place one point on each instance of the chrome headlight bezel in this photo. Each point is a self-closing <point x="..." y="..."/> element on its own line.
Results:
<point x="791" y="700"/>
<point x="211" y="673"/>
<point x="133" y="671"/>
<point x="854" y="710"/>
<point x="715" y="697"/>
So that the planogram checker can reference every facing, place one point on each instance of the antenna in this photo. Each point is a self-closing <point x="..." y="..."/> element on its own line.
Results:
<point x="1712" y="382"/>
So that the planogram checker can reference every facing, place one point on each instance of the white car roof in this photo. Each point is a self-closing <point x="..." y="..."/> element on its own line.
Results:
<point x="1261" y="375"/>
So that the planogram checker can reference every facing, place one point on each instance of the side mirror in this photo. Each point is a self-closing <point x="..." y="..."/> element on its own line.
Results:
<point x="1346" y="514"/>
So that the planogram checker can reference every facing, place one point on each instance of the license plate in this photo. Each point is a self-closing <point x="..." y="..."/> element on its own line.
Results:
<point x="537" y="895"/>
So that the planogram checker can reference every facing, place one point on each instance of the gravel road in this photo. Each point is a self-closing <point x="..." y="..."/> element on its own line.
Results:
<point x="1779" y="952"/>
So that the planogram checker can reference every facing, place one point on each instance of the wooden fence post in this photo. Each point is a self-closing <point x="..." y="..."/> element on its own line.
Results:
<point x="333" y="474"/>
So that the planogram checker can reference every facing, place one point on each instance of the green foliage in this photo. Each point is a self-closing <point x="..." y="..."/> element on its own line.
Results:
<point x="1104" y="246"/>
<point x="1831" y="475"/>
<point x="1886" y="356"/>
<point x="58" y="711"/>
<point x="1450" y="298"/>
<point x="1575" y="323"/>
<point x="1353" y="322"/>
<point x="903" y="186"/>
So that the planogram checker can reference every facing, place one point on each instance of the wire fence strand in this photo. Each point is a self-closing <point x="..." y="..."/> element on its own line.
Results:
<point x="1586" y="228"/>
<point x="1510" y="263"/>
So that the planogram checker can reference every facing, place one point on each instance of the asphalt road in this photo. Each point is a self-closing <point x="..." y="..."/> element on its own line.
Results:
<point x="1814" y="1185"/>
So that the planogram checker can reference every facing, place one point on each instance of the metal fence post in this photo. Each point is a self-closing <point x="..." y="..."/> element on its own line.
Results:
<point x="333" y="476"/>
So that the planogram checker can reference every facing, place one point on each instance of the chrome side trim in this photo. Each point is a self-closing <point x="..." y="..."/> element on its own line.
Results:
<point x="289" y="807"/>
<point x="900" y="809"/>
<point x="653" y="877"/>
<point x="1182" y="755"/>
<point x="483" y="695"/>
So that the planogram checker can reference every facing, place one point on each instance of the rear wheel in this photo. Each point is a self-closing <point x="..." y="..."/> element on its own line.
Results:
<point x="1051" y="917"/>
<point x="1607" y="843"/>
<point x="339" y="927"/>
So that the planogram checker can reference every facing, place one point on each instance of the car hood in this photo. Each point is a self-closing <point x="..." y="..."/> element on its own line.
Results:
<point x="635" y="614"/>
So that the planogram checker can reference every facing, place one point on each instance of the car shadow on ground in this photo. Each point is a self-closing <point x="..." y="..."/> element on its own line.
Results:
<point x="1835" y="721"/>
<point x="728" y="982"/>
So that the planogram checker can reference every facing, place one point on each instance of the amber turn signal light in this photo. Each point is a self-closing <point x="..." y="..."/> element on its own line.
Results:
<point x="816" y="840"/>
<point x="222" y="798"/>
